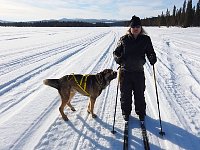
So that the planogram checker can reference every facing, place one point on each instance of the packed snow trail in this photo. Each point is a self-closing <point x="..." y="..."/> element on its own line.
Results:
<point x="29" y="115"/>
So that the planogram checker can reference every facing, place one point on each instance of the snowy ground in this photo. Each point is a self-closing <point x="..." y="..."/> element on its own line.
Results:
<point x="29" y="116"/>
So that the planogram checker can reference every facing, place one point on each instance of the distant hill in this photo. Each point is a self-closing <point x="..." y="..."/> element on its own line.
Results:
<point x="2" y="21"/>
<point x="64" y="22"/>
<point x="90" y="20"/>
<point x="72" y="20"/>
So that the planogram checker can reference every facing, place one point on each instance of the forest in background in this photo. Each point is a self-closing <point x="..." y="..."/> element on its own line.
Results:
<point x="186" y="16"/>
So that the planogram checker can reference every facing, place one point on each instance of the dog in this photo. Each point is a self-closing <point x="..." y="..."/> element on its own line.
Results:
<point x="87" y="85"/>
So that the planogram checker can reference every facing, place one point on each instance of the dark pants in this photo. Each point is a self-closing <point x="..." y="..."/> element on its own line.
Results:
<point x="132" y="82"/>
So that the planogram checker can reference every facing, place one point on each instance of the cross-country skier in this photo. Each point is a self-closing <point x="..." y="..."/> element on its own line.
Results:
<point x="130" y="55"/>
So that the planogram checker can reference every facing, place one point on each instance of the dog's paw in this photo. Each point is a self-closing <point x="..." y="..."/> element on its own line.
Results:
<point x="73" y="109"/>
<point x="94" y="116"/>
<point x="65" y="118"/>
<point x="88" y="111"/>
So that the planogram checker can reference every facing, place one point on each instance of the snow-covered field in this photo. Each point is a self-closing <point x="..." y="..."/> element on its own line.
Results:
<point x="29" y="116"/>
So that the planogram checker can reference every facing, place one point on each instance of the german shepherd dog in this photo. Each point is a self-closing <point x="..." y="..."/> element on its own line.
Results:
<point x="87" y="85"/>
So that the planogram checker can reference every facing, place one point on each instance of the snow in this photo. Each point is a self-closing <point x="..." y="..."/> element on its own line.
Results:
<point x="29" y="116"/>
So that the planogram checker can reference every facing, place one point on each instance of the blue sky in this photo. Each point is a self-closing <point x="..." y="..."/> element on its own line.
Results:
<point x="30" y="10"/>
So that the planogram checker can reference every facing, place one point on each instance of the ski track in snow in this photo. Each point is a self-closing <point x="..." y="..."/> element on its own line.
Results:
<point x="29" y="116"/>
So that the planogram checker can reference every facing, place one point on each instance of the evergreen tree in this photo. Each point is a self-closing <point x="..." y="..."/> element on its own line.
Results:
<point x="174" y="22"/>
<point x="183" y="13"/>
<point x="158" y="20"/>
<point x="193" y="16"/>
<point x="197" y="15"/>
<point x="168" y="18"/>
<point x="189" y="15"/>
<point x="162" y="20"/>
<point x="178" y="16"/>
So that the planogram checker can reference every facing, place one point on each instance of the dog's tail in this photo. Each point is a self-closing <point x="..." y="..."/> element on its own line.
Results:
<point x="52" y="82"/>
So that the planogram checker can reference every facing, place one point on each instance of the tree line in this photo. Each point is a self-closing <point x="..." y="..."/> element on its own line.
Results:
<point x="186" y="16"/>
<point x="53" y="24"/>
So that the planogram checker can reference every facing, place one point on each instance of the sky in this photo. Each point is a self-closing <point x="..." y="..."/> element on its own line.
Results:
<point x="32" y="10"/>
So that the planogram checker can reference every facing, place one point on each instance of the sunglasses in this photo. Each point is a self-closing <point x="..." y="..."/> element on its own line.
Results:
<point x="137" y="26"/>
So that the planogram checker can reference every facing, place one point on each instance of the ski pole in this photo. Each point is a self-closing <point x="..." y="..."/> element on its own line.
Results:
<point x="161" y="132"/>
<point x="113" y="130"/>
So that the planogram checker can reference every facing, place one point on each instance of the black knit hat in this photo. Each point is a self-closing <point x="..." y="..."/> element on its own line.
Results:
<point x="135" y="21"/>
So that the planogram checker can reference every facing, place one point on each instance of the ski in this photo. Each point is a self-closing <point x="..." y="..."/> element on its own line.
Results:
<point x="125" y="136"/>
<point x="144" y="135"/>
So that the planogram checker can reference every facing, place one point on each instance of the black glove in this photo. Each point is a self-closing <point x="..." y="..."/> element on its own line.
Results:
<point x="152" y="59"/>
<point x="118" y="58"/>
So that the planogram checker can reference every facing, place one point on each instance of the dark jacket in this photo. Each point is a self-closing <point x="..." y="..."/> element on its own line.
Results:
<point x="130" y="52"/>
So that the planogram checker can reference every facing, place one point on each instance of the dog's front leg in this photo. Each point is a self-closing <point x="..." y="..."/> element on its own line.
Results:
<point x="92" y="102"/>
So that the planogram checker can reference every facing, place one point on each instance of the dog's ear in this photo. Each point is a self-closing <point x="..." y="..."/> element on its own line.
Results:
<point x="100" y="77"/>
<point x="107" y="71"/>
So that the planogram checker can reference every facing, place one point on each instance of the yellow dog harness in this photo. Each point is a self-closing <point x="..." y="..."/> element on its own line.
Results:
<point x="84" y="82"/>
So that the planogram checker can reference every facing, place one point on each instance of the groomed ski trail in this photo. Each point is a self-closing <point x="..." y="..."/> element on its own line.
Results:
<point x="29" y="116"/>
